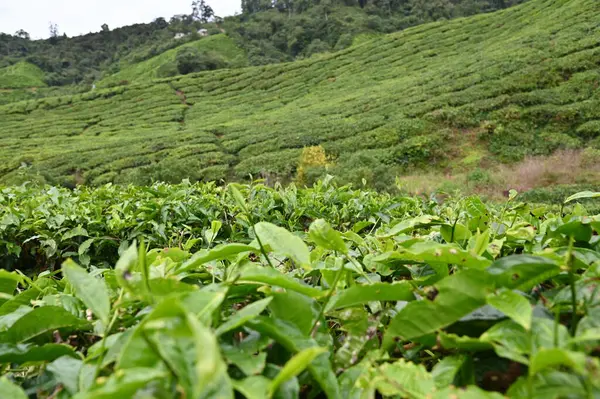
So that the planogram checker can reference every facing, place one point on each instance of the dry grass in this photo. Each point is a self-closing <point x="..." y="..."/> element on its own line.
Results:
<point x="563" y="167"/>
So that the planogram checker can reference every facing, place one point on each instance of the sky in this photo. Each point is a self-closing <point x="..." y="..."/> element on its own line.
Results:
<point x="76" y="17"/>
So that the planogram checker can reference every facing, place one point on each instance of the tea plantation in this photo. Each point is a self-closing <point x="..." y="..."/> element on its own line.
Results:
<point x="512" y="83"/>
<point x="245" y="291"/>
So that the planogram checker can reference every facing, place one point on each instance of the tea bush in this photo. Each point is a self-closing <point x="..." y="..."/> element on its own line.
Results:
<point x="199" y="291"/>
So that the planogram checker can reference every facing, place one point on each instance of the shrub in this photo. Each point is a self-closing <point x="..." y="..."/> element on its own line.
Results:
<point x="313" y="163"/>
<point x="190" y="59"/>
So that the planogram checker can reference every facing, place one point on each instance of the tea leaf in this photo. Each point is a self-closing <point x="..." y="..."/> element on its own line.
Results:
<point x="282" y="241"/>
<point x="91" y="290"/>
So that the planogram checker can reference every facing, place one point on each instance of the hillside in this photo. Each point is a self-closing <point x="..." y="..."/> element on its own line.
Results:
<point x="21" y="75"/>
<point x="220" y="45"/>
<point x="268" y="32"/>
<point x="500" y="86"/>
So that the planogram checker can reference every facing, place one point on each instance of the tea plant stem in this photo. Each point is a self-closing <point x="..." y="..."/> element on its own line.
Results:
<point x="569" y="262"/>
<point x="361" y="267"/>
<point x="338" y="275"/>
<point x="106" y="332"/>
<point x="262" y="248"/>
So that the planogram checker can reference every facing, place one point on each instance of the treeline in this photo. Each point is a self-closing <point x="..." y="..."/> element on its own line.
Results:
<point x="419" y="7"/>
<point x="270" y="31"/>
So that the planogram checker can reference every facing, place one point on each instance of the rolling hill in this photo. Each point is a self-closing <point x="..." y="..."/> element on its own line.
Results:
<point x="221" y="45"/>
<point x="504" y="85"/>
<point x="21" y="75"/>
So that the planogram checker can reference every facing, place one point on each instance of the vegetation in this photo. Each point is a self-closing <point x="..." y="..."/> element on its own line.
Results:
<point x="219" y="48"/>
<point x="249" y="289"/>
<point x="21" y="75"/>
<point x="268" y="31"/>
<point x="475" y="91"/>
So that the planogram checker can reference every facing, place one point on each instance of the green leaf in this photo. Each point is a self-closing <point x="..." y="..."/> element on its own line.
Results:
<point x="514" y="306"/>
<point x="250" y="362"/>
<point x="10" y="390"/>
<point x="123" y="384"/>
<point x="554" y="357"/>
<point x="293" y="340"/>
<point x="349" y="382"/>
<point x="205" y="302"/>
<point x="433" y="252"/>
<point x="210" y="235"/>
<point x="582" y="195"/>
<point x="75" y="232"/>
<point x="175" y="336"/>
<point x="237" y="196"/>
<point x="445" y="370"/>
<point x="91" y="290"/>
<point x="297" y="364"/>
<point x="24" y="353"/>
<point x="455" y="233"/>
<point x="404" y="379"/>
<point x="411" y="224"/>
<point x="261" y="275"/>
<point x="85" y="246"/>
<point x="577" y="229"/>
<point x="479" y="243"/>
<point x="549" y="384"/>
<point x="458" y="295"/>
<point x="464" y="343"/>
<point x="219" y="252"/>
<point x="66" y="371"/>
<point x="282" y="241"/>
<point x="254" y="387"/>
<point x="470" y="392"/>
<point x="362" y="294"/>
<point x="9" y="319"/>
<point x="522" y="272"/>
<point x="23" y="299"/>
<point x="322" y="234"/>
<point x="211" y="379"/>
<point x="9" y="282"/>
<point x="43" y="320"/>
<point x="287" y="390"/>
<point x="126" y="265"/>
<point x="295" y="308"/>
<point x="245" y="314"/>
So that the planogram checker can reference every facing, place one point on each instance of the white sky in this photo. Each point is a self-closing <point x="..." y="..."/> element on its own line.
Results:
<point x="76" y="17"/>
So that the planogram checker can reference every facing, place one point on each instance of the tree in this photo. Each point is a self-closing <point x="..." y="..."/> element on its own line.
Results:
<point x="53" y="30"/>
<point x="161" y="23"/>
<point x="201" y="11"/>
<point x="189" y="60"/>
<point x="53" y="33"/>
<point x="22" y="34"/>
<point x="105" y="28"/>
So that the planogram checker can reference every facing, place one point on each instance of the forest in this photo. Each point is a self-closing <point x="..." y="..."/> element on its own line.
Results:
<point x="268" y="31"/>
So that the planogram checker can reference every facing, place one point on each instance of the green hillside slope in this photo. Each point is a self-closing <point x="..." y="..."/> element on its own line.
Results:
<point x="221" y="45"/>
<point x="21" y="75"/>
<point x="516" y="82"/>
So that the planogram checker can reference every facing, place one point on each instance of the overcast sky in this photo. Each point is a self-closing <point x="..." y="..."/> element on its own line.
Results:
<point x="76" y="17"/>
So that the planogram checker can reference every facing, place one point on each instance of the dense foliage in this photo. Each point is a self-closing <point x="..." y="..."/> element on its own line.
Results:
<point x="268" y="31"/>
<point x="496" y="85"/>
<point x="284" y="30"/>
<point x="67" y="60"/>
<point x="256" y="293"/>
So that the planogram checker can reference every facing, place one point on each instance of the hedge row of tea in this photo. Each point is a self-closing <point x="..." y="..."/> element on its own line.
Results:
<point x="516" y="82"/>
<point x="196" y="291"/>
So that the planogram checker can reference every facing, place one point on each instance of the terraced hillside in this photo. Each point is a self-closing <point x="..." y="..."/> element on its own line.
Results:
<point x="221" y="45"/>
<point x="516" y="82"/>
<point x="21" y="75"/>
